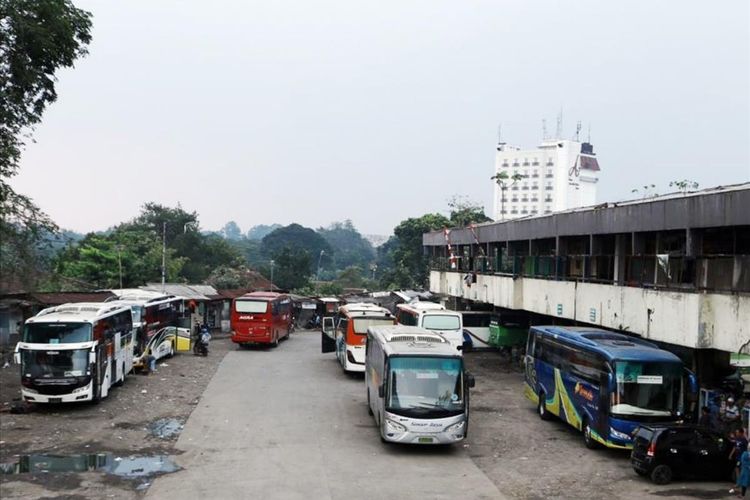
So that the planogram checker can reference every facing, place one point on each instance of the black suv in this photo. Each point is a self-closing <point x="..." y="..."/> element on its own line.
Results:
<point x="664" y="452"/>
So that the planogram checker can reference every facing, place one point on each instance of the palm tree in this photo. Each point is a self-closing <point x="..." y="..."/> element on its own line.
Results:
<point x="505" y="180"/>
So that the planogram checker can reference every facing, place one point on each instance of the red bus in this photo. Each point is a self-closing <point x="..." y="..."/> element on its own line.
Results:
<point x="261" y="318"/>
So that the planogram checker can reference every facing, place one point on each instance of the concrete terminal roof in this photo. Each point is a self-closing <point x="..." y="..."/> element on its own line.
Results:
<point x="714" y="207"/>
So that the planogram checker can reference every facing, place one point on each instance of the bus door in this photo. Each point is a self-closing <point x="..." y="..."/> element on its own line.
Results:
<point x="328" y="335"/>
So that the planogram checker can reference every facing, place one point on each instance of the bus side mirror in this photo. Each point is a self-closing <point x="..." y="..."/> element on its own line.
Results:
<point x="381" y="391"/>
<point x="92" y="358"/>
<point x="692" y="382"/>
<point x="470" y="381"/>
<point x="17" y="358"/>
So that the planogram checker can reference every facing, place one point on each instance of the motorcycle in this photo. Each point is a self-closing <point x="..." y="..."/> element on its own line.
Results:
<point x="200" y="348"/>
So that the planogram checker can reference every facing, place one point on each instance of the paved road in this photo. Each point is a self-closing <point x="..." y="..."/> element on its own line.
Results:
<point x="286" y="423"/>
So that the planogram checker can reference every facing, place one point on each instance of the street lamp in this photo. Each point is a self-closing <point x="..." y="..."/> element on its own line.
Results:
<point x="272" y="263"/>
<point x="317" y="274"/>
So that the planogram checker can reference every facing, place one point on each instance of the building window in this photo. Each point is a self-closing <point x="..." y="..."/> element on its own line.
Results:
<point x="549" y="175"/>
<point x="514" y="188"/>
<point x="535" y="162"/>
<point x="548" y="199"/>
<point x="548" y="188"/>
<point x="514" y="199"/>
<point x="524" y="199"/>
<point x="524" y="211"/>
<point x="504" y="200"/>
<point x="515" y="162"/>
<point x="535" y="199"/>
<point x="503" y="211"/>
<point x="548" y="211"/>
<point x="534" y="187"/>
<point x="514" y="211"/>
<point x="535" y="174"/>
<point x="525" y="187"/>
<point x="550" y="163"/>
<point x="534" y="212"/>
<point x="505" y="163"/>
<point x="525" y="162"/>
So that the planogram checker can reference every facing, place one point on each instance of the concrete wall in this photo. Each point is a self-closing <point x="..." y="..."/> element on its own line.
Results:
<point x="696" y="320"/>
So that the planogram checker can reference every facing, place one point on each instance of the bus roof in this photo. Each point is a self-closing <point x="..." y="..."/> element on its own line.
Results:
<point x="612" y="345"/>
<point x="80" y="312"/>
<point x="143" y="301"/>
<point x="411" y="341"/>
<point x="263" y="296"/>
<point x="422" y="306"/>
<point x="364" y="309"/>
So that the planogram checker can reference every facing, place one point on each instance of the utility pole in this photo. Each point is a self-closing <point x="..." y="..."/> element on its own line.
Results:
<point x="163" y="256"/>
<point x="272" y="263"/>
<point x="119" y="263"/>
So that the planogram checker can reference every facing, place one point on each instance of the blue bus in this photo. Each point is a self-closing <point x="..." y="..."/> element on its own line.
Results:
<point x="604" y="383"/>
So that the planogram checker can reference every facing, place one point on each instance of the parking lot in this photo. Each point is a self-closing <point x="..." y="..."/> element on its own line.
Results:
<point x="295" y="407"/>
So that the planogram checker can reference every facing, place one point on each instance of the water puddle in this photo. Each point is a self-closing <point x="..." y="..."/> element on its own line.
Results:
<point x="165" y="428"/>
<point x="130" y="467"/>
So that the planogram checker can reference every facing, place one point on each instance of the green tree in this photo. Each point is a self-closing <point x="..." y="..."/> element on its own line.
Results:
<point x="464" y="212"/>
<point x="231" y="231"/>
<point x="351" y="277"/>
<point x="402" y="256"/>
<point x="37" y="37"/>
<point x="260" y="231"/>
<point x="505" y="180"/>
<point x="297" y="237"/>
<point x="349" y="247"/>
<point x="292" y="268"/>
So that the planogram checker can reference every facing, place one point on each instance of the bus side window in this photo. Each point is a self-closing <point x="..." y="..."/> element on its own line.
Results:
<point x="274" y="308"/>
<point x="343" y="325"/>
<point x="530" y="344"/>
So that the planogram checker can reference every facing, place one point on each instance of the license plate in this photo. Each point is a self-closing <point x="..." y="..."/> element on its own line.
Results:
<point x="425" y="440"/>
<point x="55" y="400"/>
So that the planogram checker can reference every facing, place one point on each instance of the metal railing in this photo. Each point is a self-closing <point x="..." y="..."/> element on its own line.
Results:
<point x="712" y="272"/>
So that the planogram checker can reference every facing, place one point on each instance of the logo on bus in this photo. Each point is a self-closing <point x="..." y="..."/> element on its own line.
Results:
<point x="586" y="394"/>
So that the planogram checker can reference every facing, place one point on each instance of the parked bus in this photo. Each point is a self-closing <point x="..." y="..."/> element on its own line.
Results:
<point x="350" y="334"/>
<point x="152" y="312"/>
<point x="261" y="318"/>
<point x="477" y="325"/>
<point x="433" y="317"/>
<point x="417" y="389"/>
<point x="604" y="383"/>
<point x="75" y="352"/>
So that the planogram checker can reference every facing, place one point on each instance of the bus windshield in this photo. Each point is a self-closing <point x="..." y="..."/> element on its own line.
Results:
<point x="425" y="387"/>
<point x="441" y="322"/>
<point x="55" y="364"/>
<point x="251" y="306"/>
<point x="362" y="324"/>
<point x="646" y="388"/>
<point x="137" y="312"/>
<point x="56" y="333"/>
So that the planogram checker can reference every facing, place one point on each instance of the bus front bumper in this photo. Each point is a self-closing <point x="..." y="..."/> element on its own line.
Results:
<point x="397" y="429"/>
<point x="80" y="394"/>
<point x="252" y="337"/>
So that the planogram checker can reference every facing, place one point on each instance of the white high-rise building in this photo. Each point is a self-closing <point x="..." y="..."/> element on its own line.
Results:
<point x="558" y="175"/>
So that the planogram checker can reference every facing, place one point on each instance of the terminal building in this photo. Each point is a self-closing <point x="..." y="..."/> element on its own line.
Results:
<point x="673" y="269"/>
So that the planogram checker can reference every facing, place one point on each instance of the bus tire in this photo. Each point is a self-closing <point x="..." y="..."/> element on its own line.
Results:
<point x="275" y="342"/>
<point x="588" y="438"/>
<point x="369" y="409"/>
<point x="96" y="398"/>
<point x="542" y="408"/>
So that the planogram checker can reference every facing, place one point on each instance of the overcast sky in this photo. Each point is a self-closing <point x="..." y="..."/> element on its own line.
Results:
<point x="316" y="111"/>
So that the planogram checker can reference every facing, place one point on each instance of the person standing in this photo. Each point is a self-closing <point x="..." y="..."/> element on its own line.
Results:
<point x="731" y="417"/>
<point x="743" y="480"/>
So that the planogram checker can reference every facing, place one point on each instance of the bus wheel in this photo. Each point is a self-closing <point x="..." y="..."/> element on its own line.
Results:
<point x="369" y="409"/>
<point x="97" y="396"/>
<point x="588" y="438"/>
<point x="542" y="408"/>
<point x="275" y="342"/>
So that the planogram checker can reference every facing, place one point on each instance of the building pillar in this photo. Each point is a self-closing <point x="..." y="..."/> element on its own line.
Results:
<point x="621" y="243"/>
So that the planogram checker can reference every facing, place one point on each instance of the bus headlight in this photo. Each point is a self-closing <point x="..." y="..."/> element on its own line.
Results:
<point x="456" y="428"/>
<point x="391" y="426"/>
<point x="619" y="435"/>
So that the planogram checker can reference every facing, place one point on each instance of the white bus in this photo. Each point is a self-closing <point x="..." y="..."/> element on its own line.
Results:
<point x="435" y="317"/>
<point x="417" y="389"/>
<point x="75" y="352"/>
<point x="349" y="335"/>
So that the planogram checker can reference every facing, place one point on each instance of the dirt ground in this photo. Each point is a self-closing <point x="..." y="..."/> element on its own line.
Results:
<point x="527" y="457"/>
<point x="121" y="425"/>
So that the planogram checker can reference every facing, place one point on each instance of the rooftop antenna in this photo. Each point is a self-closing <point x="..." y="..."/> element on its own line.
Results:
<point x="589" y="138"/>
<point x="500" y="133"/>
<point x="558" y="131"/>
<point x="544" y="129"/>
<point x="578" y="131"/>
